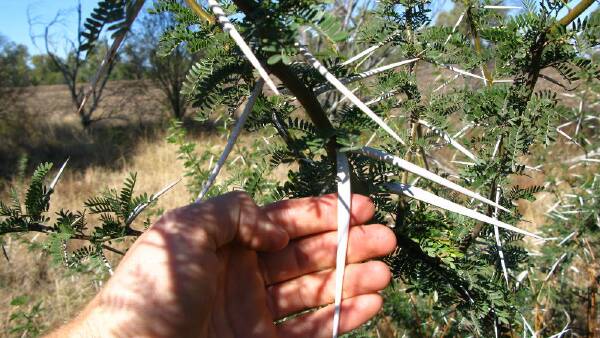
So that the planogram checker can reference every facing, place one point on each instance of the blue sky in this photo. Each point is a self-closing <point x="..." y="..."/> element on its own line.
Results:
<point x="14" y="23"/>
<point x="14" y="19"/>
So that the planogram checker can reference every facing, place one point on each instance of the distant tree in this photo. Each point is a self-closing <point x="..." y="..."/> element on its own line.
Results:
<point x="44" y="71"/>
<point x="132" y="65"/>
<point x="14" y="75"/>
<point x="166" y="69"/>
<point x="14" y="71"/>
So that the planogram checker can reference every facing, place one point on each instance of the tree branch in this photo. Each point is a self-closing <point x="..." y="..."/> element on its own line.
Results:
<point x="575" y="12"/>
<point x="200" y="11"/>
<point x="46" y="229"/>
<point x="477" y="43"/>
<point x="305" y="95"/>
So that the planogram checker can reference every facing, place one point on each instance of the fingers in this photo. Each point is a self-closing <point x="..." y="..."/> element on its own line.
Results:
<point x="312" y="215"/>
<point x="354" y="312"/>
<point x="317" y="252"/>
<point x="316" y="289"/>
<point x="220" y="220"/>
<point x="234" y="216"/>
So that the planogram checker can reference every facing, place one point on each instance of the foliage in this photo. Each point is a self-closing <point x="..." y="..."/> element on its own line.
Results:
<point x="24" y="320"/>
<point x="247" y="170"/>
<point x="142" y="56"/>
<point x="13" y="64"/>
<point x="113" y="16"/>
<point x="441" y="255"/>
<point x="112" y="214"/>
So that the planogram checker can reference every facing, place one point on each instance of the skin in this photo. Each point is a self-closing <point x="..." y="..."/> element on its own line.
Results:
<point x="228" y="268"/>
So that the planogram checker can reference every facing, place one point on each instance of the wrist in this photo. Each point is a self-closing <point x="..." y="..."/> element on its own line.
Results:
<point x="89" y="323"/>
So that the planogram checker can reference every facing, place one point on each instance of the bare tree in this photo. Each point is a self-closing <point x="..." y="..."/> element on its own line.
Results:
<point x="87" y="61"/>
<point x="72" y="66"/>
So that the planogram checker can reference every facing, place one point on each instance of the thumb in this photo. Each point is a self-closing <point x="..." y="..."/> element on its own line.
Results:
<point x="232" y="217"/>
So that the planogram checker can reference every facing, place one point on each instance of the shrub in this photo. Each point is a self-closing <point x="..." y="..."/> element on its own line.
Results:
<point x="456" y="273"/>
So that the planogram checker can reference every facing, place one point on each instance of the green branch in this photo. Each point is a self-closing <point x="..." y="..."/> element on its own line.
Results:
<point x="305" y="95"/>
<point x="204" y="15"/>
<point x="46" y="229"/>
<point x="477" y="43"/>
<point x="575" y="12"/>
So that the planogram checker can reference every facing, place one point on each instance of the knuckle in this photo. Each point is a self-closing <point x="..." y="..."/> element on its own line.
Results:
<point x="240" y="195"/>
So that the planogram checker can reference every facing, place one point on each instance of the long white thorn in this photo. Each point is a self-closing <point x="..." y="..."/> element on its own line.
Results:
<point x="520" y="277"/>
<point x="463" y="163"/>
<point x="554" y="266"/>
<point x="371" y="49"/>
<point x="164" y="190"/>
<point x="429" y="198"/>
<point x="382" y="97"/>
<point x="526" y="325"/>
<point x="415" y="169"/>
<point x="232" y="139"/>
<point x="568" y="137"/>
<point x="229" y="28"/>
<point x="346" y="92"/>
<point x="581" y="116"/>
<point x="450" y="140"/>
<point x="485" y="81"/>
<point x="361" y="76"/>
<point x="460" y="19"/>
<point x="561" y="333"/>
<point x="446" y="83"/>
<point x="375" y="71"/>
<point x="496" y="147"/>
<point x="499" y="241"/>
<point x="565" y="328"/>
<point x="565" y="124"/>
<point x="343" y="220"/>
<point x="461" y="71"/>
<point x="463" y="130"/>
<point x="58" y="175"/>
<point x="137" y="211"/>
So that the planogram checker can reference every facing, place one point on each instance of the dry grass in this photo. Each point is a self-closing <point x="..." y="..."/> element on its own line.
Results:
<point x="31" y="273"/>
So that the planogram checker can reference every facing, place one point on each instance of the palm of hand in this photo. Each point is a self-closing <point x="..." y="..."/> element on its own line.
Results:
<point x="224" y="269"/>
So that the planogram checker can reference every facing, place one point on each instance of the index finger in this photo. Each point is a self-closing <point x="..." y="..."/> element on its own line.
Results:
<point x="311" y="215"/>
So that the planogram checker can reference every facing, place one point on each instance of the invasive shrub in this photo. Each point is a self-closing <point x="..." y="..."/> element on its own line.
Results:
<point x="461" y="268"/>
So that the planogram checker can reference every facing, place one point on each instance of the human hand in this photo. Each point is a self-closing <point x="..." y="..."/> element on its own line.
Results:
<point x="228" y="268"/>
